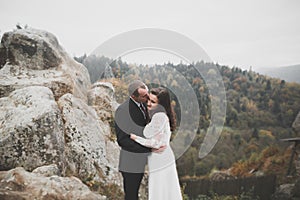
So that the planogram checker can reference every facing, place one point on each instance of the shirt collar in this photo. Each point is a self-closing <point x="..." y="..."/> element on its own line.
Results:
<point x="137" y="103"/>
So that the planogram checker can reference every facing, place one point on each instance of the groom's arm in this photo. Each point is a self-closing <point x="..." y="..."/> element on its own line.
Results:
<point x="123" y="126"/>
<point x="128" y="144"/>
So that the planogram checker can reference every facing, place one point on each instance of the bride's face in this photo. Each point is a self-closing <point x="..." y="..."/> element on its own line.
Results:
<point x="152" y="102"/>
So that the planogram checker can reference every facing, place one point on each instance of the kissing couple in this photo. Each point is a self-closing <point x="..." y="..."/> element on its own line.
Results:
<point x="144" y="123"/>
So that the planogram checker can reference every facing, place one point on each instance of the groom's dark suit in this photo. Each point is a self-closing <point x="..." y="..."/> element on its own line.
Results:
<point x="133" y="157"/>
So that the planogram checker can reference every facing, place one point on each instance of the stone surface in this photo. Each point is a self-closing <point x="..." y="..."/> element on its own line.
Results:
<point x="48" y="170"/>
<point x="20" y="184"/>
<point x="31" y="127"/>
<point x="101" y="97"/>
<point x="47" y="124"/>
<point x="86" y="143"/>
<point x="34" y="57"/>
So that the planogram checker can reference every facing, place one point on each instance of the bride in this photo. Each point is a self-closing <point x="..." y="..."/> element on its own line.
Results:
<point x="163" y="178"/>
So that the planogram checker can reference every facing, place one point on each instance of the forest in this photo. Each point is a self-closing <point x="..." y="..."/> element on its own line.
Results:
<point x="260" y="111"/>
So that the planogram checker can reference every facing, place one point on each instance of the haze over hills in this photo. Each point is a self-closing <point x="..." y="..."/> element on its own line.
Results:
<point x="287" y="73"/>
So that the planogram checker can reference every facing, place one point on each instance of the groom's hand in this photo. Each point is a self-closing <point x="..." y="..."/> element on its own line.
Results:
<point x="160" y="149"/>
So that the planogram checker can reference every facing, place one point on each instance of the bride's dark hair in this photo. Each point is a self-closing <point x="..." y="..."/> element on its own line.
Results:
<point x="164" y="99"/>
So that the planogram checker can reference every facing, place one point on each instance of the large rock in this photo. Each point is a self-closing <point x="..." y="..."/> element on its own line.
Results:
<point x="31" y="127"/>
<point x="46" y="118"/>
<point x="34" y="57"/>
<point x="101" y="98"/>
<point x="87" y="148"/>
<point x="18" y="184"/>
<point x="47" y="170"/>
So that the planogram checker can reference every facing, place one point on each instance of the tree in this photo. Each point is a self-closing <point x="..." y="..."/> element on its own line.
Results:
<point x="269" y="85"/>
<point x="255" y="133"/>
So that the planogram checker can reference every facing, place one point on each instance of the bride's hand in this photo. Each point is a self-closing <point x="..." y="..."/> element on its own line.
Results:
<point x="160" y="149"/>
<point x="132" y="136"/>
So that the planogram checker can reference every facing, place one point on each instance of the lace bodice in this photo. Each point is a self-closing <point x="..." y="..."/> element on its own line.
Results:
<point x="157" y="132"/>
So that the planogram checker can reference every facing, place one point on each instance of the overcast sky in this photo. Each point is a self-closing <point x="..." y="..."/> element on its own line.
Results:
<point x="242" y="33"/>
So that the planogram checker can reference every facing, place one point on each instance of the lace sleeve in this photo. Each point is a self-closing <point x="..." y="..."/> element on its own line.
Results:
<point x="154" y="142"/>
<point x="154" y="132"/>
<point x="156" y="125"/>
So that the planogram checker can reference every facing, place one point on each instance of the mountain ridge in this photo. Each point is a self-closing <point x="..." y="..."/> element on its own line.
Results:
<point x="289" y="73"/>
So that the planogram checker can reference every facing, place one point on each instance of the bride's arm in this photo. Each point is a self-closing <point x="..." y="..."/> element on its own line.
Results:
<point x="156" y="125"/>
<point x="153" y="132"/>
<point x="156" y="142"/>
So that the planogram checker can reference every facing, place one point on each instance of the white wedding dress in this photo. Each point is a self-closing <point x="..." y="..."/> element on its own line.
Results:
<point x="163" y="178"/>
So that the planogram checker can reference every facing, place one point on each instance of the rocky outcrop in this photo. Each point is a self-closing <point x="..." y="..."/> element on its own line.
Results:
<point x="34" y="57"/>
<point x="31" y="127"/>
<point x="101" y="98"/>
<point x="51" y="116"/>
<point x="86" y="141"/>
<point x="19" y="184"/>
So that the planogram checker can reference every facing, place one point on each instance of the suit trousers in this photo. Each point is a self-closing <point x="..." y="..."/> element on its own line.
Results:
<point x="131" y="183"/>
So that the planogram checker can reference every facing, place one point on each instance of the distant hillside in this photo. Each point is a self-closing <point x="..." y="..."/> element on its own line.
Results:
<point x="288" y="73"/>
<point x="260" y="111"/>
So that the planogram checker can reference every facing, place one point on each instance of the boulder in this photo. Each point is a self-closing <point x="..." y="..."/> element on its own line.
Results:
<point x="101" y="98"/>
<point x="17" y="184"/>
<point x="34" y="57"/>
<point x="87" y="145"/>
<point x="50" y="115"/>
<point x="48" y="170"/>
<point x="31" y="127"/>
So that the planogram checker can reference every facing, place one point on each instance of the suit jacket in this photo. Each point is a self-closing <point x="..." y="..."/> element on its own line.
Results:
<point x="130" y="119"/>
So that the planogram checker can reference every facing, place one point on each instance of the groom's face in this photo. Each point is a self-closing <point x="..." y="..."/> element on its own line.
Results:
<point x="143" y="95"/>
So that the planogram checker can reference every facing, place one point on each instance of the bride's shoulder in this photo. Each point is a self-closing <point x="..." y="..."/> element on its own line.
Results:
<point x="160" y="115"/>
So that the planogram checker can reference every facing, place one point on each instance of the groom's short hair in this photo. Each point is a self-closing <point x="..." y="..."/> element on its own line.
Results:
<point x="134" y="86"/>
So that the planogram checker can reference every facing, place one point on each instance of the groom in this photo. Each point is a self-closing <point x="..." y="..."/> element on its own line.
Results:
<point x="131" y="117"/>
